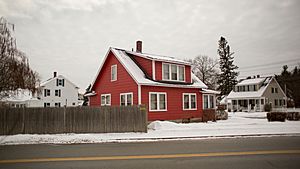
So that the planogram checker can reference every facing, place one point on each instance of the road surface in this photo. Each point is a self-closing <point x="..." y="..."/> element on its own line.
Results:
<point x="242" y="153"/>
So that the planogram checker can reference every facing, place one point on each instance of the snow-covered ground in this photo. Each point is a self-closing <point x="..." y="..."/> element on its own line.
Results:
<point x="239" y="124"/>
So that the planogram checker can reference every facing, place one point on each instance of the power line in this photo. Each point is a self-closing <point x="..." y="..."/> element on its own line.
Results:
<point x="271" y="64"/>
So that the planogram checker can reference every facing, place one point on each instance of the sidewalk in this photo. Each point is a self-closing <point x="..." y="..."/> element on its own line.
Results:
<point x="239" y="124"/>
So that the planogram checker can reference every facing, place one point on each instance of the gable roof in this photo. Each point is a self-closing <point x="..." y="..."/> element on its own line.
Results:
<point x="252" y="94"/>
<point x="138" y="75"/>
<point x="53" y="78"/>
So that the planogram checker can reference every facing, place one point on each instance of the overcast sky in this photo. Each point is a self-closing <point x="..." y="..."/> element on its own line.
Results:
<point x="72" y="36"/>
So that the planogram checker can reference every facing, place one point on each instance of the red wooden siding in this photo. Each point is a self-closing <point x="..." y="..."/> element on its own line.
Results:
<point x="146" y="64"/>
<point x="174" y="103"/>
<point x="104" y="85"/>
<point x="158" y="71"/>
<point x="188" y="74"/>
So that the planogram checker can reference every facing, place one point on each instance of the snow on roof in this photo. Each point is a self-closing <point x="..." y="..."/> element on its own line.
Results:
<point x="251" y="81"/>
<point x="19" y="95"/>
<point x="59" y="76"/>
<point x="139" y="76"/>
<point x="251" y="94"/>
<point x="209" y="91"/>
<point x="159" y="57"/>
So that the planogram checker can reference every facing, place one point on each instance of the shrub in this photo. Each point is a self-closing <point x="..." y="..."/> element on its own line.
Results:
<point x="276" y="116"/>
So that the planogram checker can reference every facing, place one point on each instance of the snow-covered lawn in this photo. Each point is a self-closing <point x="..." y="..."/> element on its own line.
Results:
<point x="238" y="124"/>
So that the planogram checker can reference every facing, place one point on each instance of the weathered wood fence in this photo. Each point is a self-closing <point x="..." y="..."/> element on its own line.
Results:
<point x="73" y="120"/>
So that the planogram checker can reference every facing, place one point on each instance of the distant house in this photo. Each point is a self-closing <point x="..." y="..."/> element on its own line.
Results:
<point x="20" y="98"/>
<point x="55" y="92"/>
<point x="58" y="91"/>
<point x="164" y="84"/>
<point x="253" y="93"/>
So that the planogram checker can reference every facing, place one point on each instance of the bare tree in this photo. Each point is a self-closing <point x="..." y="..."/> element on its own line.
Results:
<point x="15" y="72"/>
<point x="205" y="68"/>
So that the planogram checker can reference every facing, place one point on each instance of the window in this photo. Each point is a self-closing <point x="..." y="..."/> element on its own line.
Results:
<point x="181" y="73"/>
<point x="113" y="72"/>
<point x="46" y="92"/>
<point x="158" y="101"/>
<point x="209" y="101"/>
<point x="280" y="102"/>
<point x="46" y="104"/>
<point x="73" y="104"/>
<point x="126" y="99"/>
<point x="173" y="72"/>
<point x="205" y="101"/>
<point x="189" y="101"/>
<point x="272" y="89"/>
<point x="254" y="87"/>
<point x="58" y="93"/>
<point x="262" y="101"/>
<point x="57" y="104"/>
<point x="60" y="82"/>
<point x="166" y="71"/>
<point x="105" y="100"/>
<point x="276" y="102"/>
<point x="276" y="90"/>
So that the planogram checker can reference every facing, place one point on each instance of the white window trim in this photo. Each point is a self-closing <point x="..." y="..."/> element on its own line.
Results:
<point x="190" y="103"/>
<point x="157" y="95"/>
<point x="170" y="73"/>
<point x="105" y="99"/>
<point x="129" y="93"/>
<point x="208" y="101"/>
<point x="111" y="70"/>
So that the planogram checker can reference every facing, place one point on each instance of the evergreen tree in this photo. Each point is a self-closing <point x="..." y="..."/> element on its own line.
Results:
<point x="290" y="83"/>
<point x="228" y="77"/>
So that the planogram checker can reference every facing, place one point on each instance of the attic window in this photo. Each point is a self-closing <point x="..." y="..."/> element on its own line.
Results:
<point x="60" y="82"/>
<point x="113" y="72"/>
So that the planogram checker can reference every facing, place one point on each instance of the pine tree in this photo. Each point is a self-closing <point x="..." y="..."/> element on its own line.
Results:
<point x="228" y="77"/>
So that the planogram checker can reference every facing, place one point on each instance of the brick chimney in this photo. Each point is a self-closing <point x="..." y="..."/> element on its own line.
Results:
<point x="54" y="74"/>
<point x="139" y="46"/>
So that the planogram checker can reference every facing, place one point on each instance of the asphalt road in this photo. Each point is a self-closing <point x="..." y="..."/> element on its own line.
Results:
<point x="266" y="153"/>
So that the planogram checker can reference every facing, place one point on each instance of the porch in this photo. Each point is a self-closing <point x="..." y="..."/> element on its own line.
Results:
<point x="246" y="105"/>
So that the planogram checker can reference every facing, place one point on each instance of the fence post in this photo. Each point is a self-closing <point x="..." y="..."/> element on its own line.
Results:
<point x="143" y="110"/>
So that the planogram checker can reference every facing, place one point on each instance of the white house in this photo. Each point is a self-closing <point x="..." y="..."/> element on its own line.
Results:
<point x="55" y="92"/>
<point x="58" y="91"/>
<point x="253" y="93"/>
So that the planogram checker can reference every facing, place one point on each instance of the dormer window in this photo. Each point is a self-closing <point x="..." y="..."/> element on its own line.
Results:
<point x="173" y="72"/>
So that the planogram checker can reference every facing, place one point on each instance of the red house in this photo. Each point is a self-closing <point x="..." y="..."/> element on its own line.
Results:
<point x="165" y="84"/>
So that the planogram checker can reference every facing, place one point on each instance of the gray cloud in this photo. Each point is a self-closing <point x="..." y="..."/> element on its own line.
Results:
<point x="72" y="37"/>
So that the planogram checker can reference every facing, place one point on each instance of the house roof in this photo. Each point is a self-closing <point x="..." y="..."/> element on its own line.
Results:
<point x="252" y="94"/>
<point x="251" y="81"/>
<point x="138" y="75"/>
<point x="159" y="57"/>
<point x="209" y="91"/>
<point x="19" y="95"/>
<point x="53" y="78"/>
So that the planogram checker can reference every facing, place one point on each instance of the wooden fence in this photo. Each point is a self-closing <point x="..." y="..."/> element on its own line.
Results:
<point x="73" y="120"/>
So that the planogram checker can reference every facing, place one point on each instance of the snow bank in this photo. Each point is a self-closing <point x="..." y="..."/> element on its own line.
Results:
<point x="239" y="124"/>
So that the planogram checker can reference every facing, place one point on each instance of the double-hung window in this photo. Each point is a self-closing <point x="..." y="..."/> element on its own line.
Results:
<point x="209" y="101"/>
<point x="60" y="82"/>
<point x="114" y="72"/>
<point x="126" y="99"/>
<point x="189" y="101"/>
<point x="158" y="101"/>
<point x="105" y="99"/>
<point x="46" y="92"/>
<point x="173" y="72"/>
<point x="58" y="92"/>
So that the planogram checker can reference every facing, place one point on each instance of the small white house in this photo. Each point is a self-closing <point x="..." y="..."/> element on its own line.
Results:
<point x="252" y="94"/>
<point x="58" y="91"/>
<point x="55" y="92"/>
